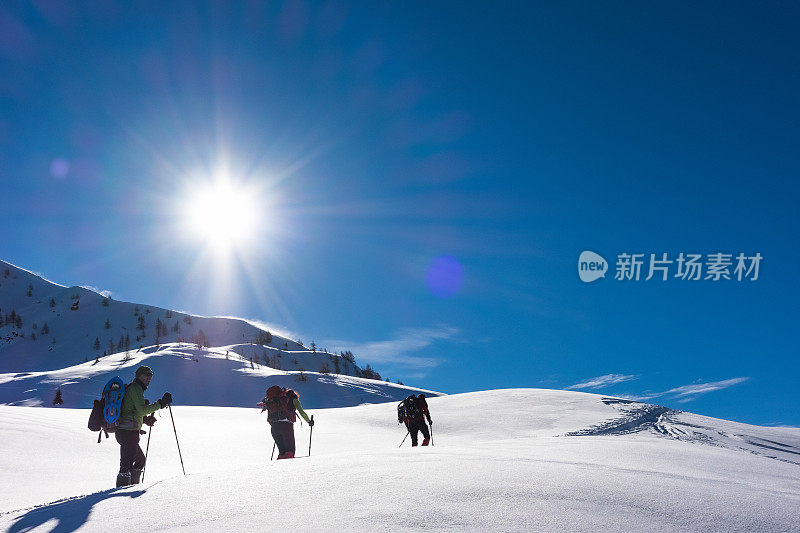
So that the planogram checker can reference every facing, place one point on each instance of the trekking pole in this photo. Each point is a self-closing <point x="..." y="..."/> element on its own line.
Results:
<point x="176" y="438"/>
<point x="404" y="438"/>
<point x="145" y="453"/>
<point x="310" y="435"/>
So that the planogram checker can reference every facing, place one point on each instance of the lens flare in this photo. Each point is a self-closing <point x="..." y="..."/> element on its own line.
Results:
<point x="445" y="276"/>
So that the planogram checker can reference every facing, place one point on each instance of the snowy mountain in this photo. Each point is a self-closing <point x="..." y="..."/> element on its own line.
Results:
<point x="74" y="340"/>
<point x="505" y="460"/>
<point x="209" y="376"/>
<point x="56" y="326"/>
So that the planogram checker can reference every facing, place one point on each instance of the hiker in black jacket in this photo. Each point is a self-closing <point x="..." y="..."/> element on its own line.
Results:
<point x="416" y="410"/>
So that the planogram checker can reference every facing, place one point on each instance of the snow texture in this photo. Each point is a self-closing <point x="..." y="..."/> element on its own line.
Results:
<point x="507" y="460"/>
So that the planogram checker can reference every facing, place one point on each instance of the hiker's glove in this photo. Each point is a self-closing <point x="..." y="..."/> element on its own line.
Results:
<point x="142" y="432"/>
<point x="149" y="420"/>
<point x="430" y="421"/>
<point x="311" y="423"/>
<point x="165" y="400"/>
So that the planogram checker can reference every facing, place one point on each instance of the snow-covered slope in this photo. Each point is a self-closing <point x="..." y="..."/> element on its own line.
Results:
<point x="59" y="326"/>
<point x="212" y="376"/>
<point x="509" y="460"/>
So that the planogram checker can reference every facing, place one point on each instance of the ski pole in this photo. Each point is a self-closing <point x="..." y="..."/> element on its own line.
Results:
<point x="273" y="451"/>
<point x="176" y="437"/>
<point x="310" y="435"/>
<point x="404" y="438"/>
<point x="146" y="452"/>
<point x="431" y="433"/>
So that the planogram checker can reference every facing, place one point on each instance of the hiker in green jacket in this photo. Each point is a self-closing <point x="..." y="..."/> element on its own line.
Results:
<point x="135" y="410"/>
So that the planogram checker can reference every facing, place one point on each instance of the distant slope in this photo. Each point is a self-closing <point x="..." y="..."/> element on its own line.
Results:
<point x="59" y="326"/>
<point x="214" y="376"/>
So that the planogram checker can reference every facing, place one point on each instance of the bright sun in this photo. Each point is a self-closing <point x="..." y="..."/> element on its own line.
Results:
<point x="222" y="215"/>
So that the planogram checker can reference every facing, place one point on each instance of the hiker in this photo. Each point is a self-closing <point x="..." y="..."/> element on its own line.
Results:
<point x="135" y="410"/>
<point x="413" y="411"/>
<point x="281" y="404"/>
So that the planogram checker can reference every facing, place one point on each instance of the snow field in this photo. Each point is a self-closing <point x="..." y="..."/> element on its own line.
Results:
<point x="499" y="462"/>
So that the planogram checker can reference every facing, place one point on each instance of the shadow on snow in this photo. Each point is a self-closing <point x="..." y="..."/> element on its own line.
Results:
<point x="69" y="514"/>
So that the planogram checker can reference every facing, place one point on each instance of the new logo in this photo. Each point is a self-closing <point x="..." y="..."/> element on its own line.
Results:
<point x="591" y="266"/>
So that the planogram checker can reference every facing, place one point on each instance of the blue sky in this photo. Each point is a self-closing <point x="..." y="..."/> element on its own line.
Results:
<point x="425" y="177"/>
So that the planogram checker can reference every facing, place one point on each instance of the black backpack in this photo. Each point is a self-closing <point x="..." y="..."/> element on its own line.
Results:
<point x="408" y="409"/>
<point x="279" y="404"/>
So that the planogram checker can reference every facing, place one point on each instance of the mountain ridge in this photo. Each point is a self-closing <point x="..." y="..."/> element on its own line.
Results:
<point x="73" y="339"/>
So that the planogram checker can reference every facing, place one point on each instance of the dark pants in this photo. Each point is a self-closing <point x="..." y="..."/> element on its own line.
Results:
<point x="131" y="455"/>
<point x="283" y="433"/>
<point x="417" y="425"/>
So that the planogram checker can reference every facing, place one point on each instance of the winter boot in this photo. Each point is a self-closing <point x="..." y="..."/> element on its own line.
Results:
<point x="286" y="455"/>
<point x="136" y="476"/>
<point x="123" y="479"/>
<point x="426" y="441"/>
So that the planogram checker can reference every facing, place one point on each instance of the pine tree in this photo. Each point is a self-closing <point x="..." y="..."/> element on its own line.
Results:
<point x="176" y="328"/>
<point x="105" y="302"/>
<point x="30" y="290"/>
<point x="58" y="400"/>
<point x="96" y="345"/>
<point x="263" y="338"/>
<point x="45" y="329"/>
<point x="200" y="340"/>
<point x="108" y="324"/>
<point x="52" y="303"/>
<point x="168" y="314"/>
